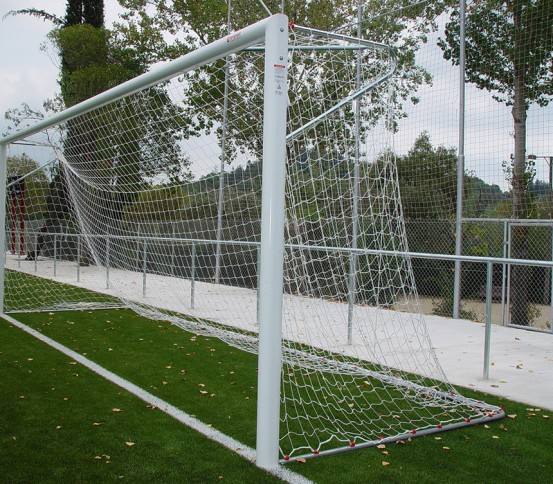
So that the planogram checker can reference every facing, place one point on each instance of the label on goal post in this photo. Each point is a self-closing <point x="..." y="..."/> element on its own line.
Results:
<point x="280" y="79"/>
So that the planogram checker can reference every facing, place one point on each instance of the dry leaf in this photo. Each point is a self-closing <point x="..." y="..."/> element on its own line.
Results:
<point x="130" y="444"/>
<point x="495" y="436"/>
<point x="445" y="448"/>
<point x="58" y="427"/>
<point x="385" y="464"/>
<point x="96" y="424"/>
<point x="203" y="392"/>
<point x="381" y="446"/>
<point x="514" y="415"/>
<point x="301" y="459"/>
<point x="116" y="410"/>
<point x="438" y="438"/>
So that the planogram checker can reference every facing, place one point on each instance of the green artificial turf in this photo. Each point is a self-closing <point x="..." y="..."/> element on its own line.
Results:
<point x="60" y="422"/>
<point x="217" y="383"/>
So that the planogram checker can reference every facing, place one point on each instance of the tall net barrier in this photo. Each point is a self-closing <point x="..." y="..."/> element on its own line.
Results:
<point x="507" y="152"/>
<point x="157" y="198"/>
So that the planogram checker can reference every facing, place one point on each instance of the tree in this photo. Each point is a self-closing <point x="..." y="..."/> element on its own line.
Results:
<point x="509" y="52"/>
<point x="192" y="23"/>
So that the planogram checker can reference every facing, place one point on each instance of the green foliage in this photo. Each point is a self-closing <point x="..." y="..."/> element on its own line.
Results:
<point x="88" y="67"/>
<point x="427" y="179"/>
<point x="506" y="37"/>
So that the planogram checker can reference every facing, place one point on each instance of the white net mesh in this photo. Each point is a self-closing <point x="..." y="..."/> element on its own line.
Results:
<point x="156" y="201"/>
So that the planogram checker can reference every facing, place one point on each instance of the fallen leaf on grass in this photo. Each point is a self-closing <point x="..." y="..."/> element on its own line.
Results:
<point x="385" y="464"/>
<point x="96" y="424"/>
<point x="446" y="448"/>
<point x="116" y="410"/>
<point x="301" y="459"/>
<point x="381" y="446"/>
<point x="514" y="415"/>
<point x="130" y="444"/>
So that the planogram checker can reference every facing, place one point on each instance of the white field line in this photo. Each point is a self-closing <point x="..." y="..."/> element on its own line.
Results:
<point x="243" y="450"/>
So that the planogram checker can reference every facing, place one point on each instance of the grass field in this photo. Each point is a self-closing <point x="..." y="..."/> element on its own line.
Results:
<point x="57" y="418"/>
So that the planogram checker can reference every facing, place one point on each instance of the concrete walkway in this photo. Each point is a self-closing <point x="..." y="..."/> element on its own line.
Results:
<point x="521" y="362"/>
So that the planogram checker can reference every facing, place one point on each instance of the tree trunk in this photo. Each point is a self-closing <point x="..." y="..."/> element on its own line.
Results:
<point x="519" y="236"/>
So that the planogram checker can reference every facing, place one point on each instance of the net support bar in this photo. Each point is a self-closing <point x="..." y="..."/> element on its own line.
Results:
<point x="272" y="242"/>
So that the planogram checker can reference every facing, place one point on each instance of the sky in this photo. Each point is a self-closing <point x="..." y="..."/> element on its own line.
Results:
<point x="30" y="75"/>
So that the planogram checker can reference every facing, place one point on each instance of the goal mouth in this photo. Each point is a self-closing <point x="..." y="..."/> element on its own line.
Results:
<point x="163" y="194"/>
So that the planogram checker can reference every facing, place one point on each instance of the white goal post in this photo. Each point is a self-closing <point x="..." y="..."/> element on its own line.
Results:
<point x="245" y="191"/>
<point x="273" y="31"/>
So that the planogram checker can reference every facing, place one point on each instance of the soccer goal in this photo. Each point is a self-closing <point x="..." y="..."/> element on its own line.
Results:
<point x="244" y="191"/>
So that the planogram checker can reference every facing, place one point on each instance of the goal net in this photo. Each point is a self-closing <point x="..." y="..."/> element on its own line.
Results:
<point x="153" y="201"/>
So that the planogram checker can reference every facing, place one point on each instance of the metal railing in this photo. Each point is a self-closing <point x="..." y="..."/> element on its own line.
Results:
<point x="68" y="246"/>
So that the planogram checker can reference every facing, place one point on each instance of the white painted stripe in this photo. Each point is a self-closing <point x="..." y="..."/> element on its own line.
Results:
<point x="211" y="433"/>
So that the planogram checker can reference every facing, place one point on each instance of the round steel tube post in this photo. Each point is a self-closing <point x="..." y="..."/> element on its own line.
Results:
<point x="460" y="163"/>
<point x="221" y="191"/>
<point x="22" y="224"/>
<point x="36" y="251"/>
<point x="144" y="266"/>
<point x="488" y="331"/>
<point x="193" y="276"/>
<point x="78" y="257"/>
<point x="272" y="241"/>
<point x="504" y="274"/>
<point x="3" y="163"/>
<point x="352" y="280"/>
<point x="55" y="253"/>
<point x="107" y="263"/>
<point x="174" y="230"/>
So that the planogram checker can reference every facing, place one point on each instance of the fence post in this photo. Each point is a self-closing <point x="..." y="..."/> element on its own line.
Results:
<point x="107" y="263"/>
<point x="173" y="249"/>
<point x="488" y="331"/>
<point x="193" y="275"/>
<point x="55" y="253"/>
<point x="78" y="257"/>
<point x="144" y="266"/>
